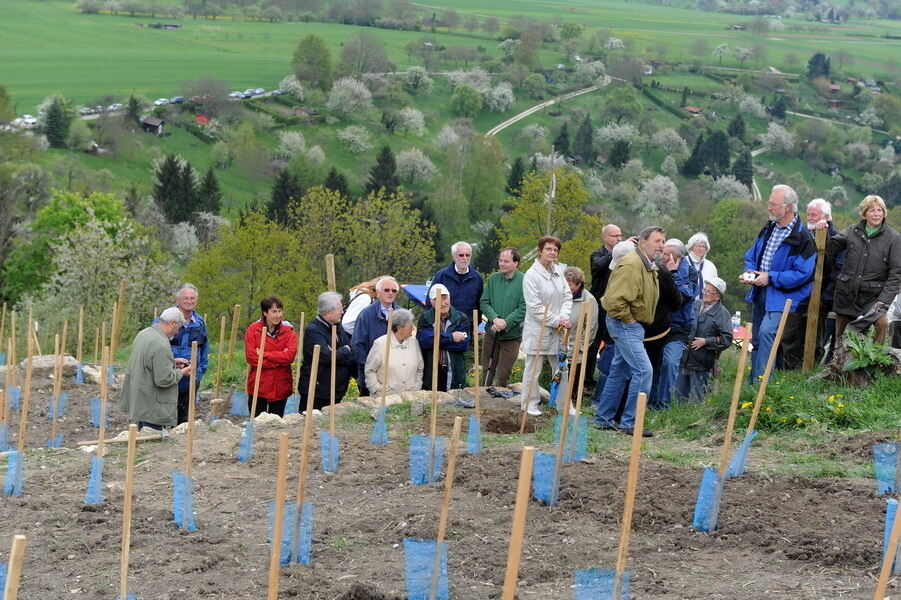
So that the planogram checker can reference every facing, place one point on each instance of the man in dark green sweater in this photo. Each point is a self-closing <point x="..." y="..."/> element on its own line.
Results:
<point x="504" y="306"/>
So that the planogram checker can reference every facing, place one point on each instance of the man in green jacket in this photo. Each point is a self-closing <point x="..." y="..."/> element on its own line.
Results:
<point x="150" y="391"/>
<point x="504" y="306"/>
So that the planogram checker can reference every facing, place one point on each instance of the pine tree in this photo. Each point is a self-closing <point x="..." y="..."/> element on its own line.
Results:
<point x="583" y="144"/>
<point x="779" y="108"/>
<point x="166" y="186"/>
<point x="133" y="110"/>
<point x="561" y="144"/>
<point x="336" y="182"/>
<point x="384" y="173"/>
<point x="285" y="191"/>
<point x="619" y="154"/>
<point x="684" y="100"/>
<point x="515" y="176"/>
<point x="736" y="127"/>
<point x="56" y="123"/>
<point x="743" y="169"/>
<point x="715" y="152"/>
<point x="209" y="195"/>
<point x="695" y="163"/>
<point x="533" y="165"/>
<point x="818" y="66"/>
<point x="186" y="204"/>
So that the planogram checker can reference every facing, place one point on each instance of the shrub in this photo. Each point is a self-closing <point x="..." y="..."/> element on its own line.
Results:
<point x="357" y="138"/>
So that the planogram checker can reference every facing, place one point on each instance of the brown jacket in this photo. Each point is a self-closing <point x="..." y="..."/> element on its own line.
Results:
<point x="632" y="291"/>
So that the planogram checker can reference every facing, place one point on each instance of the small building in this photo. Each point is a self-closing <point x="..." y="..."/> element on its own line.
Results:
<point x="202" y="119"/>
<point x="834" y="88"/>
<point x="694" y="110"/>
<point x="738" y="27"/>
<point x="835" y="103"/>
<point x="152" y="125"/>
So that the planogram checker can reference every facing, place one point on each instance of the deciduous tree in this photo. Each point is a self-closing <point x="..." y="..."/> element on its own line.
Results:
<point x="313" y="62"/>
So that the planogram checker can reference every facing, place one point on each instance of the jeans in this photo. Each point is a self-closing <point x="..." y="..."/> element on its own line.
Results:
<point x="605" y="359"/>
<point x="669" y="372"/>
<point x="693" y="385"/>
<point x="629" y="361"/>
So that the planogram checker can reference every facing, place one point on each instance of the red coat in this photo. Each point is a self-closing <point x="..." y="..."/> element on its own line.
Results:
<point x="278" y="354"/>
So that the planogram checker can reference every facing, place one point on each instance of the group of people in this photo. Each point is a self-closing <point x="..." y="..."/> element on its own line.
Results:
<point x="654" y="314"/>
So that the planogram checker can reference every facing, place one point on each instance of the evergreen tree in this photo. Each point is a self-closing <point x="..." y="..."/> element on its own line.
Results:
<point x="167" y="182"/>
<point x="695" y="163"/>
<point x="743" y="169"/>
<point x="384" y="173"/>
<point x="779" y="108"/>
<point x="209" y="195"/>
<point x="684" y="100"/>
<point x="583" y="144"/>
<point x="133" y="110"/>
<point x="818" y="66"/>
<point x="336" y="182"/>
<point x="737" y="127"/>
<point x="715" y="152"/>
<point x="285" y="191"/>
<point x="619" y="154"/>
<point x="57" y="120"/>
<point x="561" y="144"/>
<point x="187" y="192"/>
<point x="533" y="165"/>
<point x="515" y="177"/>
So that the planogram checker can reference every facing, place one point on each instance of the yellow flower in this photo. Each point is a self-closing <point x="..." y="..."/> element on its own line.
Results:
<point x="840" y="405"/>
<point x="791" y="397"/>
<point x="831" y="398"/>
<point x="840" y="396"/>
<point x="783" y="420"/>
<point x="745" y="405"/>
<point x="799" y="420"/>
<point x="776" y="382"/>
<point x="768" y="408"/>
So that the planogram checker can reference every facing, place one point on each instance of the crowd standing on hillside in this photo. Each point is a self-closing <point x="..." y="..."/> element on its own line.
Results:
<point x="653" y="312"/>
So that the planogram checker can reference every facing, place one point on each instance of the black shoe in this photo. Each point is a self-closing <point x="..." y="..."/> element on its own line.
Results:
<point x="630" y="431"/>
<point x="605" y="427"/>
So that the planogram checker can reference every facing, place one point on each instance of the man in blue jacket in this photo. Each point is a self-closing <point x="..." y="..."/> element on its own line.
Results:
<point x="462" y="280"/>
<point x="779" y="266"/>
<point x="371" y="324"/>
<point x="193" y="330"/>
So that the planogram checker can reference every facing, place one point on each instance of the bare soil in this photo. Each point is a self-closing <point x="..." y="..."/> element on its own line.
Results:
<point x="780" y="536"/>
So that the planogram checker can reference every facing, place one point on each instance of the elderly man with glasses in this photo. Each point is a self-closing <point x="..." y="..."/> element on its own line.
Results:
<point x="372" y="324"/>
<point x="462" y="281"/>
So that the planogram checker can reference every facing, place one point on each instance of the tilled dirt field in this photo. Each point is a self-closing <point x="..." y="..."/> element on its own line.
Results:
<point x="780" y="536"/>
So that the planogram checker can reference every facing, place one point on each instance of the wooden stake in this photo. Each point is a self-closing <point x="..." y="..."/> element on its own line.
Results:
<point x="305" y="444"/>
<point x="5" y="410"/>
<point x="192" y="395"/>
<point x="813" y="307"/>
<point x="581" y="389"/>
<point x="126" y="512"/>
<point x="533" y="381"/>
<point x="564" y="403"/>
<point x="140" y="438"/>
<point x="331" y="409"/>
<point x="104" y="398"/>
<point x="475" y="361"/>
<point x="330" y="272"/>
<point x="12" y="334"/>
<point x="26" y="395"/>
<point x="256" y="383"/>
<point x="436" y="358"/>
<point x="57" y="384"/>
<point x="236" y="314"/>
<point x="220" y="355"/>
<point x="445" y="505"/>
<point x="3" y="321"/>
<point x="78" y="355"/>
<point x="117" y="322"/>
<point x="96" y="354"/>
<point x="34" y="334"/>
<point x="297" y="363"/>
<point x="514" y="550"/>
<point x="63" y="343"/>
<point x="622" y="556"/>
<point x="889" y="559"/>
<point x="103" y="340"/>
<point x="733" y="406"/>
<point x="388" y="337"/>
<point x="761" y="392"/>
<point x="280" y="485"/>
<point x="14" y="570"/>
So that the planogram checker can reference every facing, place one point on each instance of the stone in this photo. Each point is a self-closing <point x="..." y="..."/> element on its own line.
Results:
<point x="291" y="419"/>
<point x="268" y="419"/>
<point x="376" y="401"/>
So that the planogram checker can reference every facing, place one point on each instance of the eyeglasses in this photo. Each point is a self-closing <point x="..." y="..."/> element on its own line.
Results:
<point x="464" y="255"/>
<point x="390" y="290"/>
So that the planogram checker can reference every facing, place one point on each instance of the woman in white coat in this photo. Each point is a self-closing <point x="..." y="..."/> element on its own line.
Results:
<point x="543" y="285"/>
<point x="405" y="364"/>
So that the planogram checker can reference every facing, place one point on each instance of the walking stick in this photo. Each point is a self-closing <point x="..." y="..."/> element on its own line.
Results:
<point x="534" y="379"/>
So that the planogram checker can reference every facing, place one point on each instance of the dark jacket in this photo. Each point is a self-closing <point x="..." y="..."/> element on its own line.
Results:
<point x="465" y="290"/>
<point x="600" y="275"/>
<point x="715" y="326"/>
<point x="686" y="278"/>
<point x="371" y="324"/>
<point x="425" y="335"/>
<point x="320" y="332"/>
<point x="791" y="272"/>
<point x="670" y="300"/>
<point x="194" y="330"/>
<point x="872" y="269"/>
<point x="832" y="266"/>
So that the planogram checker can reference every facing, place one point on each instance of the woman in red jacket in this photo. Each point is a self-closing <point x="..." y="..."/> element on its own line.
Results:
<point x="278" y="354"/>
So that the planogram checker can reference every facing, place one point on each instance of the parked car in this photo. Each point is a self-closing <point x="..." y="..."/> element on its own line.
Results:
<point x="259" y="91"/>
<point x="114" y="107"/>
<point x="161" y="102"/>
<point x="29" y="121"/>
<point x="177" y="100"/>
<point x="85" y="110"/>
<point x="249" y="92"/>
<point x="278" y="92"/>
<point x="236" y="95"/>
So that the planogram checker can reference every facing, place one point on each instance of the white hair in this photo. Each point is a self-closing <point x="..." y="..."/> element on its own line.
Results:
<point x="789" y="195"/>
<point x="456" y="245"/>
<point x="677" y="244"/>
<point x="328" y="301"/>
<point x="378" y="284"/>
<point x="698" y="238"/>
<point x="401" y="318"/>
<point x="824" y="206"/>
<point x="186" y="286"/>
<point x="172" y="315"/>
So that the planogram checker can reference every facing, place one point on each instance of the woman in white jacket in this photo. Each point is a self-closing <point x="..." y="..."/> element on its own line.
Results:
<point x="405" y="364"/>
<point x="543" y="285"/>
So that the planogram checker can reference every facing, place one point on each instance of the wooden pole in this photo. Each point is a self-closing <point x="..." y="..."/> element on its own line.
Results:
<point x="305" y="444"/>
<point x="103" y="340"/>
<point x="813" y="309"/>
<point x="581" y="389"/>
<point x="331" y="405"/>
<point x="761" y="392"/>
<point x="3" y="321"/>
<point x="126" y="512"/>
<point x="477" y="366"/>
<point x="445" y="506"/>
<point x="533" y="380"/>
<point x="14" y="570"/>
<point x="141" y="438"/>
<point x="57" y="385"/>
<point x="117" y="322"/>
<point x="34" y="334"/>
<point x="26" y="395"/>
<point x="12" y="333"/>
<point x="63" y="343"/>
<point x="733" y="406"/>
<point x="256" y="382"/>
<point x="514" y="550"/>
<point x="78" y="355"/>
<point x="5" y="410"/>
<point x="622" y="556"/>
<point x="889" y="559"/>
<point x="192" y="394"/>
<point x="236" y="314"/>
<point x="330" y="272"/>
<point x="564" y="403"/>
<point x="220" y="355"/>
<point x="280" y="484"/>
<point x="388" y="336"/>
<point x="436" y="358"/>
<point x="104" y="398"/>
<point x="297" y="363"/>
<point x="96" y="354"/>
